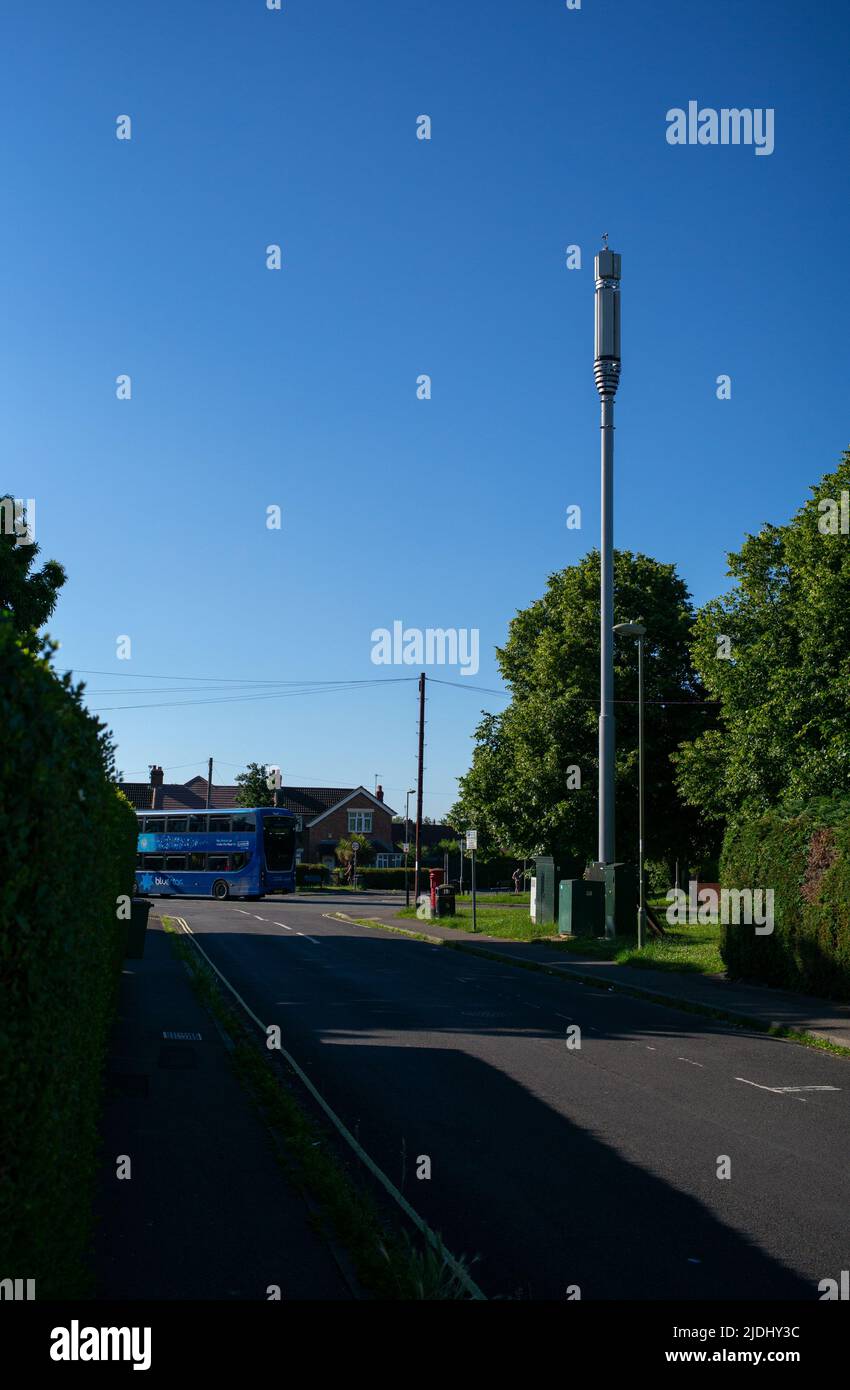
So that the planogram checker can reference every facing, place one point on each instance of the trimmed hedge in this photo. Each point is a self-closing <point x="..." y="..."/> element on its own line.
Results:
<point x="67" y="851"/>
<point x="387" y="878"/>
<point x="319" y="871"/>
<point x="805" y="859"/>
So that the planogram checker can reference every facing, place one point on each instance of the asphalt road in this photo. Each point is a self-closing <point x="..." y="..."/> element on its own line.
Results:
<point x="555" y="1166"/>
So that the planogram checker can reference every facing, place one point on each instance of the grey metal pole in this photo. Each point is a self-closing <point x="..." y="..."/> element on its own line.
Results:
<point x="639" y="631"/>
<point x="641" y="901"/>
<point x="606" y="370"/>
<point x="407" y="842"/>
<point x="474" y="919"/>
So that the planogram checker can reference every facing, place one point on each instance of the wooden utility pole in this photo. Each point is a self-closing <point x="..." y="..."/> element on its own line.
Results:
<point x="419" y="787"/>
<point x="209" y="783"/>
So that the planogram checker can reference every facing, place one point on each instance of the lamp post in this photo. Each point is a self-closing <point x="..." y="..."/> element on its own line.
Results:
<point x="639" y="631"/>
<point x="410" y="793"/>
<point x="606" y="371"/>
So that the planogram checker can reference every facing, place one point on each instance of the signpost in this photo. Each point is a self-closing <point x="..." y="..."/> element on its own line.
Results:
<point x="472" y="845"/>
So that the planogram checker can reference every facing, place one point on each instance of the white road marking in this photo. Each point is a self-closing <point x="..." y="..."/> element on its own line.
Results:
<point x="242" y="911"/>
<point x="808" y="1088"/>
<point x="689" y="1062"/>
<point x="308" y="938"/>
<point x="283" y="924"/>
<point x="787" y="1090"/>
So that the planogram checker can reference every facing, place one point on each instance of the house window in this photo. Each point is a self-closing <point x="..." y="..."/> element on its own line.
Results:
<point x="360" y="822"/>
<point x="388" y="861"/>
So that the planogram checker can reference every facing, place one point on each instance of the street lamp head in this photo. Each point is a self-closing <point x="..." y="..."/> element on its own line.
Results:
<point x="630" y="629"/>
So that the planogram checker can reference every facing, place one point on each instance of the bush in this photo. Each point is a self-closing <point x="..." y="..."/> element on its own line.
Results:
<point x="303" y="871"/>
<point x="67" y="851"/>
<point x="805" y="859"/>
<point x="389" y="878"/>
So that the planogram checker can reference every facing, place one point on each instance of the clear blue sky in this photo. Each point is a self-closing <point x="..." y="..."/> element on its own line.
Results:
<point x="401" y="257"/>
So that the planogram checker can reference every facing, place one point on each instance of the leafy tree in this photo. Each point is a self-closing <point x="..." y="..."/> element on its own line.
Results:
<point x="252" y="787"/>
<point x="347" y="848"/>
<point x="782" y="676"/>
<point x="532" y="786"/>
<point x="28" y="596"/>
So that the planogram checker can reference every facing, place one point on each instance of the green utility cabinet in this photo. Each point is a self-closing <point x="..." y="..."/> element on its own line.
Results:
<point x="543" y="891"/>
<point x="621" y="897"/>
<point x="581" y="907"/>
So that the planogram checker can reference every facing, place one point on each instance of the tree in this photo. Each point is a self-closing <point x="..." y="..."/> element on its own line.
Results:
<point x="252" y="787"/>
<point x="28" y="596"/>
<point x="774" y="652"/>
<point x="532" y="786"/>
<point x="355" y="846"/>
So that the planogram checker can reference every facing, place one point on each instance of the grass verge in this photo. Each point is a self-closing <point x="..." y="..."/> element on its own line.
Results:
<point x="688" y="948"/>
<point x="389" y="1263"/>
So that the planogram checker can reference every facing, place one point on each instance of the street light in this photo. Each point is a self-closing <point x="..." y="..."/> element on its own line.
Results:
<point x="639" y="631"/>
<point x="411" y="792"/>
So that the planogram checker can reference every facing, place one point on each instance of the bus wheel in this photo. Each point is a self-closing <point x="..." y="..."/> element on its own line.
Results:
<point x="220" y="890"/>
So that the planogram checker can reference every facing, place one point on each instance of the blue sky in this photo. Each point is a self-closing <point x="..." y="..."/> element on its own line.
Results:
<point x="400" y="257"/>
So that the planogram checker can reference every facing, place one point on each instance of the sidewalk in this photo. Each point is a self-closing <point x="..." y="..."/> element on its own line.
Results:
<point x="207" y="1212"/>
<point x="823" y="1018"/>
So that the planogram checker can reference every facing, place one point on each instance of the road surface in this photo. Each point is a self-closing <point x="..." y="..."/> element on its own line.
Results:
<point x="554" y="1166"/>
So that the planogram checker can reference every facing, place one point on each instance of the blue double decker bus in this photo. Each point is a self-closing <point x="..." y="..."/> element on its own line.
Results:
<point x="241" y="853"/>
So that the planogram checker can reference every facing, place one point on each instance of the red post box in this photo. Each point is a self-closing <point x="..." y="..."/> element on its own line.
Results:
<point x="437" y="876"/>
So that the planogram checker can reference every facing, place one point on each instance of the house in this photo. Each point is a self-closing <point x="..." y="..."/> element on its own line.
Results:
<point x="325" y="815"/>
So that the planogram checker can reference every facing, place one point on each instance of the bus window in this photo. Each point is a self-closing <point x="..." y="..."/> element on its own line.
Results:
<point x="218" y="862"/>
<point x="197" y="825"/>
<point x="155" y="825"/>
<point x="197" y="862"/>
<point x="177" y="825"/>
<point x="244" y="822"/>
<point x="175" y="861"/>
<point x="154" y="861"/>
<point x="219" y="825"/>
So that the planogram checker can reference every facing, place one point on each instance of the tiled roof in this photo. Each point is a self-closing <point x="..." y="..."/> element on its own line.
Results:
<point x="192" y="796"/>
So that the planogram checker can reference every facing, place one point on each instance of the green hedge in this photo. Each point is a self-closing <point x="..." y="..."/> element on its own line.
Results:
<point x="67" y="851"/>
<point x="386" y="878"/>
<point x="319" y="871"/>
<point x="805" y="859"/>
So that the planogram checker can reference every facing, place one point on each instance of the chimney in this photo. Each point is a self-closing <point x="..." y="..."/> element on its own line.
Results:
<point x="379" y="793"/>
<point x="156" y="788"/>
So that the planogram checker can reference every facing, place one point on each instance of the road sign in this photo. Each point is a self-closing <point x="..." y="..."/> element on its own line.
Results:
<point x="406" y="846"/>
<point x="471" y="839"/>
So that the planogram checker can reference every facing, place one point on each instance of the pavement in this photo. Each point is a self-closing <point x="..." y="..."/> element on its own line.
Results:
<point x="823" y="1018"/>
<point x="670" y="1155"/>
<point x="206" y="1212"/>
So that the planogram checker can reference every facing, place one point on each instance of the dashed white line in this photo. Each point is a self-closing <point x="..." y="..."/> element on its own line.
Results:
<point x="690" y="1063"/>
